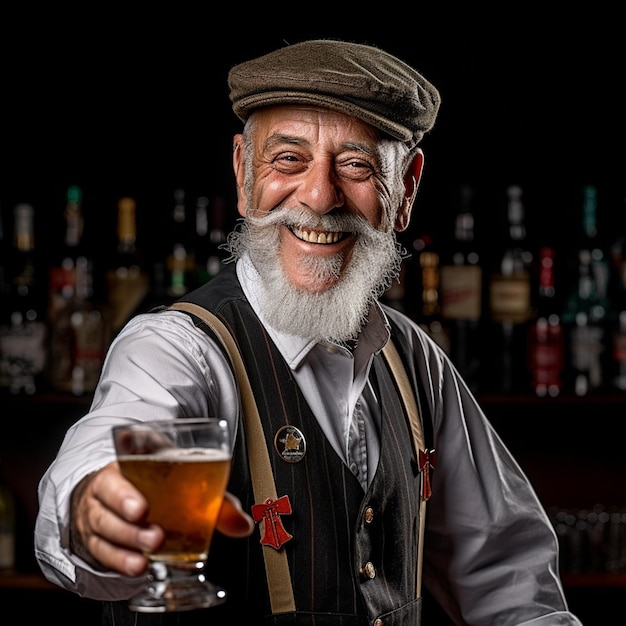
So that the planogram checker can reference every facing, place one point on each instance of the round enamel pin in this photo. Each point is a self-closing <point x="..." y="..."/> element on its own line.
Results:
<point x="289" y="442"/>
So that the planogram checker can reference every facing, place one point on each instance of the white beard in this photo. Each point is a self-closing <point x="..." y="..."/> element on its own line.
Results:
<point x="338" y="313"/>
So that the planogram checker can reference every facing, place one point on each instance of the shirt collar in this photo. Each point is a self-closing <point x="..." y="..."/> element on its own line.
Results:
<point x="295" y="349"/>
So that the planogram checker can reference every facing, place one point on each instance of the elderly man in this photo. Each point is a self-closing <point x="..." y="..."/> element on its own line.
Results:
<point x="327" y="168"/>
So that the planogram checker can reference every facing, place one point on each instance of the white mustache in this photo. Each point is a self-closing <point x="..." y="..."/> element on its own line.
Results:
<point x="311" y="226"/>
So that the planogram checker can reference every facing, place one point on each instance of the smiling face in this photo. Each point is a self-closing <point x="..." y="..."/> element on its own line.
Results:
<point x="321" y="193"/>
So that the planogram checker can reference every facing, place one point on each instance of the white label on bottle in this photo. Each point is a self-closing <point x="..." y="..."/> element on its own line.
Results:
<point x="509" y="298"/>
<point x="460" y="291"/>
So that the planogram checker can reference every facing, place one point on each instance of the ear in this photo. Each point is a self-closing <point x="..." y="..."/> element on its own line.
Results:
<point x="238" y="168"/>
<point x="411" y="182"/>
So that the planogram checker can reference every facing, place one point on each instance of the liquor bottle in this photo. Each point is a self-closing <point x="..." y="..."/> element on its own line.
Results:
<point x="426" y="309"/>
<point x="179" y="263"/>
<point x="587" y="309"/>
<point x="79" y="332"/>
<point x="585" y="320"/>
<point x="209" y="237"/>
<point x="545" y="333"/>
<point x="200" y="242"/>
<point x="510" y="303"/>
<point x="23" y="328"/>
<point x="600" y="262"/>
<point x="7" y="527"/>
<point x="460" y="293"/>
<point x="62" y="273"/>
<point x="126" y="277"/>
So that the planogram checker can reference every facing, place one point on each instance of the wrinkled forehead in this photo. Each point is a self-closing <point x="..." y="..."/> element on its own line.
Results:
<point x="303" y="124"/>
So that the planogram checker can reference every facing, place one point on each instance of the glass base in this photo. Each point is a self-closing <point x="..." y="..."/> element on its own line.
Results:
<point x="176" y="591"/>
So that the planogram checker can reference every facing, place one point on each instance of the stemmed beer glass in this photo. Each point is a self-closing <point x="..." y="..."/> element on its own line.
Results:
<point x="182" y="467"/>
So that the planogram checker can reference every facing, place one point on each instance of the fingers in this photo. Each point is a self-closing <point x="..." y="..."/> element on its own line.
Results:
<point x="107" y="523"/>
<point x="233" y="521"/>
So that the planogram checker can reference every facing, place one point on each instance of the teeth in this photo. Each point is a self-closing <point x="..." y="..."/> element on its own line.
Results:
<point x="316" y="237"/>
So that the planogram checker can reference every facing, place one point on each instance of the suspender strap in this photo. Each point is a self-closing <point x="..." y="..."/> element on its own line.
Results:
<point x="399" y="373"/>
<point x="276" y="566"/>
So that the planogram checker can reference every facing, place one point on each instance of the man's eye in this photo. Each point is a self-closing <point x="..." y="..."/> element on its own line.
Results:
<point x="356" y="170"/>
<point x="287" y="163"/>
<point x="287" y="158"/>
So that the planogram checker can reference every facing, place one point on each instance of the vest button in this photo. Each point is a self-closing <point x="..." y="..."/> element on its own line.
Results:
<point x="378" y="622"/>
<point x="368" y="570"/>
<point x="369" y="515"/>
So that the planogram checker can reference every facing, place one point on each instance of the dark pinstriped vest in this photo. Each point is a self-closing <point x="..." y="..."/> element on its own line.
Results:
<point x="339" y="531"/>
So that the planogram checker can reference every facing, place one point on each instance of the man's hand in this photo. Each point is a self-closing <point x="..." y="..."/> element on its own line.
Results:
<point x="108" y="527"/>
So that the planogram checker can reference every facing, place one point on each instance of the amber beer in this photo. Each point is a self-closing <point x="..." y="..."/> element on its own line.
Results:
<point x="184" y="488"/>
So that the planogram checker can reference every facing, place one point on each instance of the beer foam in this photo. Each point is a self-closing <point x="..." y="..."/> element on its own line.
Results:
<point x="180" y="455"/>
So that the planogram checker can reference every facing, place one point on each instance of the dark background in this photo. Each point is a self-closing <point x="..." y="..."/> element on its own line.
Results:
<point x="131" y="98"/>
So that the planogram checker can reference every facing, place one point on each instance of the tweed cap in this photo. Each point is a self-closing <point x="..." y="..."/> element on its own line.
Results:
<point x="357" y="79"/>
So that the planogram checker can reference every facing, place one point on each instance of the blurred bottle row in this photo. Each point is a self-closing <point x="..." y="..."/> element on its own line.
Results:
<point x="60" y="307"/>
<point x="591" y="540"/>
<point x="515" y="317"/>
<point x="544" y="319"/>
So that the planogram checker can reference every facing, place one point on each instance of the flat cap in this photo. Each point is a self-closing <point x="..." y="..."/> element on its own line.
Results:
<point x="357" y="79"/>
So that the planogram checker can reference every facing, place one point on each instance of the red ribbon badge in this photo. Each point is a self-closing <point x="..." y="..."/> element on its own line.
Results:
<point x="274" y="533"/>
<point x="427" y="461"/>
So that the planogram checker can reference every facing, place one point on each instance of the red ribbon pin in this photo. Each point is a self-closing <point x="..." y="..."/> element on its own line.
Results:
<point x="274" y="533"/>
<point x="427" y="461"/>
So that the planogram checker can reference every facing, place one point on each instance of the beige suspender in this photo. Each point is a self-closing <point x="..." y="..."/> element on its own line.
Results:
<point x="399" y="373"/>
<point x="276" y="566"/>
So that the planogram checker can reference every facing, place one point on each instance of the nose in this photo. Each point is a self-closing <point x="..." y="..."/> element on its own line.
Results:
<point x="320" y="190"/>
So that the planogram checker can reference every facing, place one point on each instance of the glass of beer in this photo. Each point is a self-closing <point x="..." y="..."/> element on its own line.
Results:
<point x="182" y="467"/>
